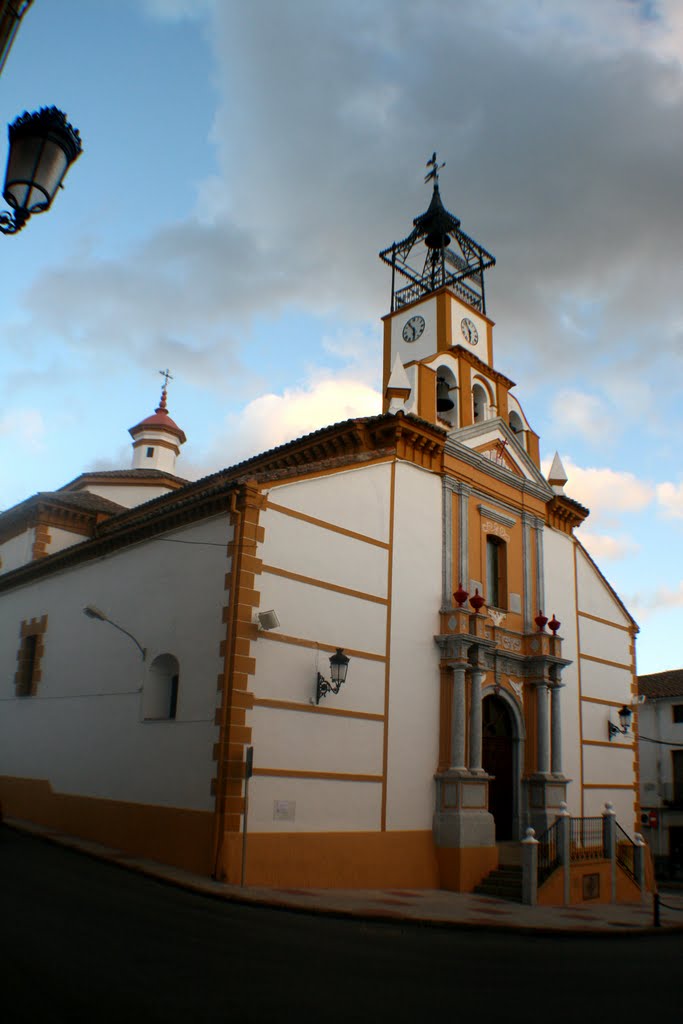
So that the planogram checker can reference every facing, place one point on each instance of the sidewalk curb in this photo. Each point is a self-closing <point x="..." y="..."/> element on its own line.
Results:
<point x="166" y="876"/>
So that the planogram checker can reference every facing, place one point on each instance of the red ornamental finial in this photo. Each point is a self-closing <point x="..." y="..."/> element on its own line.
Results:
<point x="554" y="625"/>
<point x="540" y="621"/>
<point x="477" y="601"/>
<point x="460" y="595"/>
<point x="167" y="376"/>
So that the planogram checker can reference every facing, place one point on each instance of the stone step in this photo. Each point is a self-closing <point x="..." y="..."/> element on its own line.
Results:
<point x="505" y="883"/>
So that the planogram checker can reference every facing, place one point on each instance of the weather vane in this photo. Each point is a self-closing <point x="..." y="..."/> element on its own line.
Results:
<point x="433" y="174"/>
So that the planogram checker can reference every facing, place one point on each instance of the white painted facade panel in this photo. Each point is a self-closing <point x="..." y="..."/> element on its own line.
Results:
<point x="413" y="726"/>
<point x="606" y="682"/>
<point x="607" y="764"/>
<point x="288" y="672"/>
<point x="560" y="599"/>
<point x="83" y="731"/>
<point x="594" y="597"/>
<point x="305" y="741"/>
<point x="309" y="550"/>
<point x="313" y="805"/>
<point x="16" y="551"/>
<point x="61" y="539"/>
<point x="601" y="641"/>
<point x="128" y="496"/>
<point x="621" y="800"/>
<point x="324" y="616"/>
<point x="356" y="500"/>
<point x="425" y="345"/>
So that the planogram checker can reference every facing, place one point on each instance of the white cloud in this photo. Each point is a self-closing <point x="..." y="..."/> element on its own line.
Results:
<point x="645" y="604"/>
<point x="577" y="412"/>
<point x="606" y="492"/>
<point x="24" y="428"/>
<point x="607" y="547"/>
<point x="272" y="420"/>
<point x="670" y="498"/>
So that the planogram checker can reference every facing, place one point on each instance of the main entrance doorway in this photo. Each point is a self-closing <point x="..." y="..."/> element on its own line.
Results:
<point x="497" y="760"/>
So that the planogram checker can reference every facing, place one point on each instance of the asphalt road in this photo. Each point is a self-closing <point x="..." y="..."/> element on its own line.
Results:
<point x="82" y="940"/>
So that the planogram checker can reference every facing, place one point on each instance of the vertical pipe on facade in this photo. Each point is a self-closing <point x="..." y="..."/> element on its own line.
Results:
<point x="238" y="521"/>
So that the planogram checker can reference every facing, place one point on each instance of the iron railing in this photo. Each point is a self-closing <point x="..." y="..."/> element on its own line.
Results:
<point x="625" y="852"/>
<point x="586" y="839"/>
<point x="548" y="853"/>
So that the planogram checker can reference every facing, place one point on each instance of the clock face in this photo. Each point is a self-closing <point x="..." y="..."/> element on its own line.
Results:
<point x="469" y="331"/>
<point x="413" y="328"/>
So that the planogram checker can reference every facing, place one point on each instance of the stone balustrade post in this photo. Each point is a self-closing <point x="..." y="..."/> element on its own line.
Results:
<point x="639" y="855"/>
<point x="609" y="843"/>
<point x="530" y="868"/>
<point x="564" y="849"/>
<point x="543" y="766"/>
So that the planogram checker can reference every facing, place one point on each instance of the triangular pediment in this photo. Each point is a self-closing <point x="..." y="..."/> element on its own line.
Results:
<point x="495" y="443"/>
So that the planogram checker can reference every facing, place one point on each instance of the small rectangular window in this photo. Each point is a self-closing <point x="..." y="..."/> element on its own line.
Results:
<point x="28" y="662"/>
<point x="150" y="453"/>
<point x="677" y="710"/>
<point x="496" y="572"/>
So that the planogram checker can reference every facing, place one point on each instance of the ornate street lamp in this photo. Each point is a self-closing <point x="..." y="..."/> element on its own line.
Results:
<point x="43" y="145"/>
<point x="625" y="715"/>
<point x="339" y="666"/>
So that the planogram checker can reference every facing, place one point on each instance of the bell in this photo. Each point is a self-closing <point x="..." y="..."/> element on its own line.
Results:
<point x="443" y="402"/>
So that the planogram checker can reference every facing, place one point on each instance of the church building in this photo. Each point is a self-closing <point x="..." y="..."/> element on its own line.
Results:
<point x="386" y="634"/>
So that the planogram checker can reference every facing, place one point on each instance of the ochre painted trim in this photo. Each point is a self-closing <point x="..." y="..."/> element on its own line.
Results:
<point x="387" y="648"/>
<point x="607" y="703"/>
<point x="605" y="622"/>
<point x="291" y="705"/>
<point x="605" y="661"/>
<point x="312" y="582"/>
<point x="340" y="860"/>
<point x="323" y="524"/>
<point x="172" y="835"/>
<point x="292" y="773"/>
<point x="614" y="745"/>
<point x="608" y="785"/>
<point x="578" y="676"/>
<point x="282" y="638"/>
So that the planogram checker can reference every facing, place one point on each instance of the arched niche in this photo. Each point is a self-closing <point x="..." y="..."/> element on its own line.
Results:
<point x="160" y="695"/>
<point x="447" y="390"/>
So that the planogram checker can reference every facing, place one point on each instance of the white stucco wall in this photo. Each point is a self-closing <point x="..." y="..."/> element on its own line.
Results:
<point x="129" y="496"/>
<point x="560" y="599"/>
<point x="61" y="539"/>
<point x="288" y="739"/>
<point x="414" y="687"/>
<point x="84" y="731"/>
<point x="596" y="598"/>
<point x="16" y="551"/>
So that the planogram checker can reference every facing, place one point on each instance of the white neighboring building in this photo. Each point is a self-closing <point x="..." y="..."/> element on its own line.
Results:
<point x="424" y="542"/>
<point x="661" y="768"/>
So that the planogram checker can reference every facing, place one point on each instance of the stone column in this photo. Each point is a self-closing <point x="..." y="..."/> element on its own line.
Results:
<point x="556" y="730"/>
<point x="458" y="718"/>
<point x="475" y="720"/>
<point x="543" y="765"/>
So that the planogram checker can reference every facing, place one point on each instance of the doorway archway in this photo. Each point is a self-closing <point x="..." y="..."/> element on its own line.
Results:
<point x="500" y="761"/>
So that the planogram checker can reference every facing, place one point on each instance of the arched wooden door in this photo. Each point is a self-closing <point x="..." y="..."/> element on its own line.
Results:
<point x="497" y="760"/>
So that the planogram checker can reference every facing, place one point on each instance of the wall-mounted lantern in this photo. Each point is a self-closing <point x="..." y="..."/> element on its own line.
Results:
<point x="625" y="715"/>
<point x="339" y="666"/>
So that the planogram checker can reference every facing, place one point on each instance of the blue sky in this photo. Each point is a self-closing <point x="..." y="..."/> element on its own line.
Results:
<point x="243" y="164"/>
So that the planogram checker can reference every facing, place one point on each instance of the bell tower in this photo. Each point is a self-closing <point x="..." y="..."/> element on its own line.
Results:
<point x="157" y="439"/>
<point x="438" y="343"/>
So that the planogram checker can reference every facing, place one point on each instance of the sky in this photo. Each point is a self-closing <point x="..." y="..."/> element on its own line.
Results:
<point x="243" y="163"/>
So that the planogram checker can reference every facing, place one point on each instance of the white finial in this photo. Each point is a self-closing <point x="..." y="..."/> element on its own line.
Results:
<point x="398" y="388"/>
<point x="557" y="477"/>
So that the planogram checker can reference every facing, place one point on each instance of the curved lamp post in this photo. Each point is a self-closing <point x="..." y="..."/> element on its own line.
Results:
<point x="43" y="145"/>
<point x="95" y="613"/>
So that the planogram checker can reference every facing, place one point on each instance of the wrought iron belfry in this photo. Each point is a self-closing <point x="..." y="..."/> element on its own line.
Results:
<point x="437" y="253"/>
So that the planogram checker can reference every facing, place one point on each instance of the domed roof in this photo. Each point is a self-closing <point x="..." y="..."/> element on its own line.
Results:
<point x="160" y="420"/>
